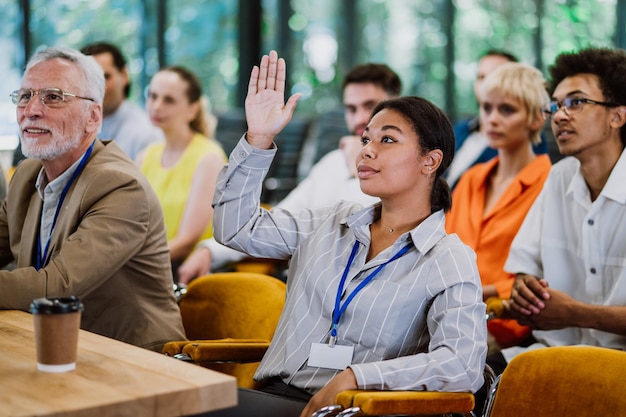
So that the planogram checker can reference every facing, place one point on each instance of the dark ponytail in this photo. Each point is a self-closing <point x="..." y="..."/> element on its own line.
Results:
<point x="441" y="195"/>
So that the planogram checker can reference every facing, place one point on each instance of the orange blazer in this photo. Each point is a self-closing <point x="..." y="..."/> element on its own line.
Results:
<point x="491" y="234"/>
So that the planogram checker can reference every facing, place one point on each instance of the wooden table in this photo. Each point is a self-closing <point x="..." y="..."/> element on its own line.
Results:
<point x="111" y="379"/>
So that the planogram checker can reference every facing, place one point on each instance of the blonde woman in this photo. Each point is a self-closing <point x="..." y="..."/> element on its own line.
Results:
<point x="183" y="169"/>
<point x="491" y="199"/>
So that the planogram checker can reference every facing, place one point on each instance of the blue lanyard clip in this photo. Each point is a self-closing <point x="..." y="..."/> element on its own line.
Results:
<point x="333" y="335"/>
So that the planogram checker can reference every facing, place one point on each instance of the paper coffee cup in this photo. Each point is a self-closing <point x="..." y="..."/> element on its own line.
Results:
<point x="57" y="321"/>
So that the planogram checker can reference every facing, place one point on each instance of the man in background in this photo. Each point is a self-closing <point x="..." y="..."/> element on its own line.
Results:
<point x="471" y="142"/>
<point x="123" y="121"/>
<point x="332" y="178"/>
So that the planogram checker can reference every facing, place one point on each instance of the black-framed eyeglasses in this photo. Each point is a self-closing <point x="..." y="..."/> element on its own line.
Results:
<point x="571" y="105"/>
<point x="51" y="97"/>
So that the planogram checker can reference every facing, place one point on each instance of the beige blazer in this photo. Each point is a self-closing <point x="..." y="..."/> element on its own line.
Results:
<point x="108" y="247"/>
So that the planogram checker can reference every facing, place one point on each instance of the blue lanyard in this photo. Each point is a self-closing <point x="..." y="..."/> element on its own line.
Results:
<point x="340" y="308"/>
<point x="41" y="259"/>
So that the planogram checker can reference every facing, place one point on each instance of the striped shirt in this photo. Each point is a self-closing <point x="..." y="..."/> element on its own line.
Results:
<point x="419" y="325"/>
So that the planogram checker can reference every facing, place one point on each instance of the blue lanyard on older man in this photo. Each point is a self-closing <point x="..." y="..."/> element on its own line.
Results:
<point x="40" y="260"/>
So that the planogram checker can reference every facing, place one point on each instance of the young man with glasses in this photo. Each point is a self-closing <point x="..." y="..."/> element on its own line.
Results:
<point x="79" y="218"/>
<point x="569" y="257"/>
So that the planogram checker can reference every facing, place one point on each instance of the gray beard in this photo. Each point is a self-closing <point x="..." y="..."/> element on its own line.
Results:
<point x="50" y="150"/>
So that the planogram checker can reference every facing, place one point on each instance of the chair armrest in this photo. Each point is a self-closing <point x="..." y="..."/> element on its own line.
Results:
<point x="174" y="348"/>
<point x="219" y="350"/>
<point x="495" y="308"/>
<point x="406" y="402"/>
<point x="345" y="398"/>
<point x="375" y="402"/>
<point x="226" y="350"/>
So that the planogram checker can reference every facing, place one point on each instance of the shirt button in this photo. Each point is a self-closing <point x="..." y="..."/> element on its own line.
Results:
<point x="590" y="222"/>
<point x="242" y="154"/>
<point x="592" y="270"/>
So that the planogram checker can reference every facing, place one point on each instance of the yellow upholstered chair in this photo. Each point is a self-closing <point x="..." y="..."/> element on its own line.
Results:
<point x="581" y="381"/>
<point x="409" y="403"/>
<point x="229" y="319"/>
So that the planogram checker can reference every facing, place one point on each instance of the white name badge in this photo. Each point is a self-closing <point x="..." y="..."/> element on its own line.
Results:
<point x="323" y="355"/>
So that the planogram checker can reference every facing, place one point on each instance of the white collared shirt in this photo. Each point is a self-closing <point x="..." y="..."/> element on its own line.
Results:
<point x="578" y="246"/>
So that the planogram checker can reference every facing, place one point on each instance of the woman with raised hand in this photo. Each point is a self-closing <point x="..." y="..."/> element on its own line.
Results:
<point x="379" y="297"/>
<point x="184" y="168"/>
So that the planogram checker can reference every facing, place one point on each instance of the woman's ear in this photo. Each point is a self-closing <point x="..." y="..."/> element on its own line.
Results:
<point x="431" y="161"/>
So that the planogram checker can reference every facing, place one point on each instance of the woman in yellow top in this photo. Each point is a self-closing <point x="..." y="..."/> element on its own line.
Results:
<point x="491" y="199"/>
<point x="183" y="169"/>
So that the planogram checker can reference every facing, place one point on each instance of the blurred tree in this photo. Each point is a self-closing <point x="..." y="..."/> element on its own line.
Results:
<point x="432" y="44"/>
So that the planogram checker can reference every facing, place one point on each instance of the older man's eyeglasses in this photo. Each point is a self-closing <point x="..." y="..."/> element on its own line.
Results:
<point x="571" y="105"/>
<point x="51" y="97"/>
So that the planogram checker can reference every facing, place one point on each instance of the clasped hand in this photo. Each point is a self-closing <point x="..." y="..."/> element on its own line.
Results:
<point x="266" y="111"/>
<point x="536" y="305"/>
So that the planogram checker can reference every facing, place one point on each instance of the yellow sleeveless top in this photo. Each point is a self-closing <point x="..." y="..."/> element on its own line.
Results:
<point x="172" y="185"/>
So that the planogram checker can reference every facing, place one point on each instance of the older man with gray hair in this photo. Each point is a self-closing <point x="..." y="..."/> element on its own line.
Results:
<point x="79" y="218"/>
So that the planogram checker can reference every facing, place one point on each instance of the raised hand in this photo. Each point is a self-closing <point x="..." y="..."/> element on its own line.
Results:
<point x="266" y="111"/>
